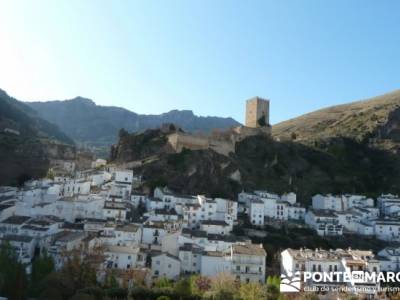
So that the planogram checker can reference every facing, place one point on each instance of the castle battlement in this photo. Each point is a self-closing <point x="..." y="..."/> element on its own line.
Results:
<point x="223" y="142"/>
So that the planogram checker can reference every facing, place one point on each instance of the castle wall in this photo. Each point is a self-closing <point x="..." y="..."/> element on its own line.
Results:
<point x="180" y="140"/>
<point x="223" y="142"/>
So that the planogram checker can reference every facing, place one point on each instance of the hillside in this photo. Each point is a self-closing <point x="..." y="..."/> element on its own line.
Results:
<point x="376" y="120"/>
<point x="337" y="165"/>
<point x="16" y="115"/>
<point x="98" y="126"/>
<point x="27" y="142"/>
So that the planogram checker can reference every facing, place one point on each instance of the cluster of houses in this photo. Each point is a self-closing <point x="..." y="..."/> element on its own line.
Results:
<point x="329" y="215"/>
<point x="98" y="212"/>
<point x="334" y="215"/>
<point x="262" y="205"/>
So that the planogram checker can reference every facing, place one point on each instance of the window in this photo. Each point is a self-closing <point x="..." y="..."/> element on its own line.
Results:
<point x="129" y="257"/>
<point x="237" y="268"/>
<point x="157" y="262"/>
<point x="169" y="266"/>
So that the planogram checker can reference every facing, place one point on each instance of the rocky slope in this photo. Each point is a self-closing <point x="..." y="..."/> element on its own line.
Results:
<point x="375" y="121"/>
<point x="27" y="142"/>
<point x="334" y="165"/>
<point x="335" y="150"/>
<point x="98" y="126"/>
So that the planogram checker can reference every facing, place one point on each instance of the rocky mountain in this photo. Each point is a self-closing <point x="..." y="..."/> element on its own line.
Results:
<point x="347" y="148"/>
<point x="27" y="142"/>
<point x="375" y="121"/>
<point x="335" y="165"/>
<point x="98" y="126"/>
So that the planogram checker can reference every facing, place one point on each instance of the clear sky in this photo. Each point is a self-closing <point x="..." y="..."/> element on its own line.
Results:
<point x="206" y="56"/>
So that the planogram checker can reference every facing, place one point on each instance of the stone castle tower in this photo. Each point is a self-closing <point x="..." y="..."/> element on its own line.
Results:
<point x="257" y="112"/>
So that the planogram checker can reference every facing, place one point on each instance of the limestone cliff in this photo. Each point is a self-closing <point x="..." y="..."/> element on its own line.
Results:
<point x="334" y="165"/>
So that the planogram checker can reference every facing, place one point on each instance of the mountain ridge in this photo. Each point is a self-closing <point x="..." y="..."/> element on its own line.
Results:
<point x="27" y="142"/>
<point x="347" y="148"/>
<point x="97" y="126"/>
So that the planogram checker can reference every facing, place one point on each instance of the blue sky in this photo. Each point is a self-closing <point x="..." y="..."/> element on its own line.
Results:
<point x="206" y="56"/>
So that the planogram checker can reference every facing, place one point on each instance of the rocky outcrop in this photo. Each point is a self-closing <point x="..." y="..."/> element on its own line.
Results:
<point x="332" y="165"/>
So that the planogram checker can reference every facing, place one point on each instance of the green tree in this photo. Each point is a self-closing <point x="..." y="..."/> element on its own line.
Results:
<point x="50" y="174"/>
<point x="41" y="267"/>
<point x="272" y="292"/>
<point x="95" y="291"/>
<point x="111" y="281"/>
<point x="274" y="280"/>
<point x="79" y="271"/>
<point x="82" y="296"/>
<point x="261" y="121"/>
<point x="76" y="274"/>
<point x="163" y="298"/>
<point x="182" y="288"/>
<point x="13" y="280"/>
<point x="163" y="282"/>
<point x="117" y="293"/>
<point x="252" y="291"/>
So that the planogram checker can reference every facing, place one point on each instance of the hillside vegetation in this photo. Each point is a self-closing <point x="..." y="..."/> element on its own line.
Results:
<point x="335" y="165"/>
<point x="27" y="142"/>
<point x="375" y="121"/>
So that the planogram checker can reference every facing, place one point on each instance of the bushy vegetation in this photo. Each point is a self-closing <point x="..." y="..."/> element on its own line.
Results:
<point x="77" y="280"/>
